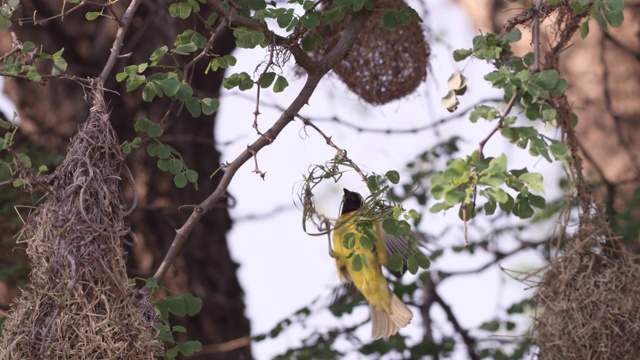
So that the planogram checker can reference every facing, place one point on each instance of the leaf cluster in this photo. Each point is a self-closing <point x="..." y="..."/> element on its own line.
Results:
<point x="169" y="159"/>
<point x="178" y="305"/>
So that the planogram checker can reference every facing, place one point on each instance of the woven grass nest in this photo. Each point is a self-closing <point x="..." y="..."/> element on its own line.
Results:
<point x="79" y="304"/>
<point x="384" y="65"/>
<point x="590" y="300"/>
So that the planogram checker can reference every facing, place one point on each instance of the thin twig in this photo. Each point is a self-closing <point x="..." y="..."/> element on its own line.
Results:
<point x="255" y="158"/>
<point x="118" y="42"/>
<point x="212" y="39"/>
<point x="536" y="37"/>
<point x="498" y="126"/>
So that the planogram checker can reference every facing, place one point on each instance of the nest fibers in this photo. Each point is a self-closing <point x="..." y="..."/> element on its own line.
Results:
<point x="79" y="304"/>
<point x="383" y="65"/>
<point x="590" y="300"/>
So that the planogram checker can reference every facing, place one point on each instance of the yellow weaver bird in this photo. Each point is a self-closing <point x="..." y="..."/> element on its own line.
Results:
<point x="388" y="313"/>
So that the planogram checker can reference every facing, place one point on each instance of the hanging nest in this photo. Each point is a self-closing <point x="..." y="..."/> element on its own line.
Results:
<point x="384" y="65"/>
<point x="590" y="299"/>
<point x="79" y="304"/>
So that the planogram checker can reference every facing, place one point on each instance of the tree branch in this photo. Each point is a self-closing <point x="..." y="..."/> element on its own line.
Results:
<point x="117" y="43"/>
<point x="315" y="73"/>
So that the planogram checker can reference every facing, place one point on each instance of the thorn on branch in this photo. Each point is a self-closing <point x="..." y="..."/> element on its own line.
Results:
<point x="255" y="158"/>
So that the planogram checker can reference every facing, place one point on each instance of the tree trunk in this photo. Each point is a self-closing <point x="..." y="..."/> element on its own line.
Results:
<point x="51" y="114"/>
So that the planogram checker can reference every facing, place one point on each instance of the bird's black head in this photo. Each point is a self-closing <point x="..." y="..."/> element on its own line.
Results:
<point x="351" y="201"/>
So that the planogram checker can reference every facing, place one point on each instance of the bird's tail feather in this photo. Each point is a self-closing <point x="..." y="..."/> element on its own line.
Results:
<point x="384" y="325"/>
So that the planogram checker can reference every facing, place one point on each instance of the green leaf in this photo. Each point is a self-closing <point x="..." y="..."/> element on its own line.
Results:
<point x="491" y="326"/>
<point x="356" y="263"/>
<point x="498" y="195"/>
<point x="185" y="91"/>
<point x="164" y="151"/>
<point x="170" y="86"/>
<point x="366" y="243"/>
<point x="600" y="20"/>
<point x="189" y="347"/>
<point x="92" y="15"/>
<point x="230" y="59"/>
<point x="209" y="106"/>
<point x="522" y="209"/>
<point x="584" y="29"/>
<point x="533" y="180"/>
<point x="152" y="283"/>
<point x="179" y="329"/>
<point x="508" y="205"/>
<point x="180" y="180"/>
<point x="285" y="19"/>
<point x="26" y="160"/>
<point x="423" y="261"/>
<point x="153" y="148"/>
<point x="154" y="130"/>
<point x="461" y="54"/>
<point x="390" y="19"/>
<point x="490" y="207"/>
<point x="373" y="183"/>
<point x="267" y="79"/>
<point x="185" y="49"/>
<point x="614" y="17"/>
<point x="453" y="197"/>
<point x="413" y="264"/>
<point x="311" y="20"/>
<point x="184" y="10"/>
<point x="349" y="240"/>
<point x="175" y="165"/>
<point x="192" y="175"/>
<point x="547" y="79"/>
<point x="280" y="85"/>
<point x="28" y="46"/>
<point x="193" y="304"/>
<point x="308" y="5"/>
<point x="309" y="42"/>
<point x="392" y="227"/>
<point x="5" y="23"/>
<point x="537" y="201"/>
<point x="157" y="55"/>
<point x="177" y="305"/>
<point x="33" y="74"/>
<point x="59" y="66"/>
<point x="396" y="262"/>
<point x="393" y="176"/>
<point x="193" y="105"/>
<point x="615" y="4"/>
<point x="437" y="207"/>
<point x="142" y="124"/>
<point x="513" y="35"/>
<point x="559" y="150"/>
<point x="134" y="81"/>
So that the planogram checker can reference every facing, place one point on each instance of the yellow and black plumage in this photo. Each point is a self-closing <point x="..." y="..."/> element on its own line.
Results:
<point x="388" y="313"/>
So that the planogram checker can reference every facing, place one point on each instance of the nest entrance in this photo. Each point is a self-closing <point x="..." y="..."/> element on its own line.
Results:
<point x="79" y="304"/>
